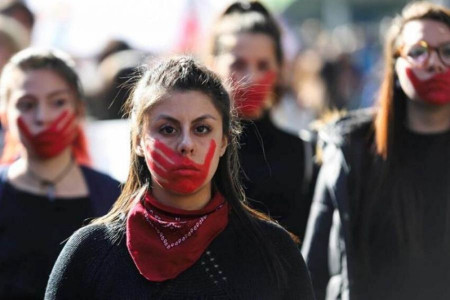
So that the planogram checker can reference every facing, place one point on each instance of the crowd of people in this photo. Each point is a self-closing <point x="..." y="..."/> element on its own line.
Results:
<point x="248" y="178"/>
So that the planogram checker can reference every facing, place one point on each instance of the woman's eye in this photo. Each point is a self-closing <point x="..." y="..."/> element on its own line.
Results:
<point x="167" y="130"/>
<point x="239" y="65"/>
<point x="59" y="102"/>
<point x="445" y="51"/>
<point x="202" y="129"/>
<point x="263" y="66"/>
<point x="25" y="105"/>
<point x="417" y="51"/>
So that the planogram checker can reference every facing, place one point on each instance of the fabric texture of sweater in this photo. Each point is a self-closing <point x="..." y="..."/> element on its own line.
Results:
<point x="33" y="229"/>
<point x="96" y="265"/>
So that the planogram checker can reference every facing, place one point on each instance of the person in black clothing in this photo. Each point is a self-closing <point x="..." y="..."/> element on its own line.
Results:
<point x="277" y="167"/>
<point x="181" y="228"/>
<point x="45" y="190"/>
<point x="380" y="220"/>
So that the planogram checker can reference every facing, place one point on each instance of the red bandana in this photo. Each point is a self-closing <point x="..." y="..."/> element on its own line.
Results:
<point x="164" y="241"/>
<point x="248" y="100"/>
<point x="52" y="141"/>
<point x="435" y="90"/>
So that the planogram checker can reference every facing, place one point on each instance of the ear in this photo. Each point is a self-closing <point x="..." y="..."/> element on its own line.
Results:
<point x="139" y="150"/>
<point x="223" y="145"/>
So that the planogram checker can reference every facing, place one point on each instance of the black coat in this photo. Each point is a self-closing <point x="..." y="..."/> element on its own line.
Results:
<point x="345" y="184"/>
<point x="277" y="172"/>
<point x="327" y="246"/>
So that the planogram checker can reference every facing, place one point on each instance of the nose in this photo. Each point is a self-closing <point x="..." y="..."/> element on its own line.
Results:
<point x="186" y="145"/>
<point x="435" y="63"/>
<point x="42" y="115"/>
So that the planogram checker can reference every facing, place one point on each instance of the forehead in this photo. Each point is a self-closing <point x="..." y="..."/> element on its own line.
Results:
<point x="183" y="105"/>
<point x="40" y="81"/>
<point x="250" y="45"/>
<point x="433" y="32"/>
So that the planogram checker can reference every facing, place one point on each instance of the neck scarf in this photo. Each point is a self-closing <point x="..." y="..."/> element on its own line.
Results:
<point x="164" y="241"/>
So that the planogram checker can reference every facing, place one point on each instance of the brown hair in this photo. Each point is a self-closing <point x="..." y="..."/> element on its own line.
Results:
<point x="392" y="110"/>
<point x="36" y="59"/>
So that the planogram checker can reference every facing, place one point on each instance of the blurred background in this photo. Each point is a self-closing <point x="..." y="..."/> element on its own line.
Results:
<point x="332" y="52"/>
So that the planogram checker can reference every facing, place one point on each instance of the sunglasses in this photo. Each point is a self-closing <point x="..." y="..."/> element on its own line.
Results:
<point x="419" y="54"/>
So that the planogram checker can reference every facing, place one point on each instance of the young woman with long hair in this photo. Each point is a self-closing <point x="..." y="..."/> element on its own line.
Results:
<point x="46" y="189"/>
<point x="277" y="167"/>
<point x="380" y="220"/>
<point x="181" y="228"/>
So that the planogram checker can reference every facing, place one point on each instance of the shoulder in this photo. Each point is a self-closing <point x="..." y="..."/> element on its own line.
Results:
<point x="103" y="189"/>
<point x="78" y="263"/>
<point x="353" y="125"/>
<point x="91" y="238"/>
<point x="99" y="177"/>
<point x="278" y="236"/>
<point x="86" y="249"/>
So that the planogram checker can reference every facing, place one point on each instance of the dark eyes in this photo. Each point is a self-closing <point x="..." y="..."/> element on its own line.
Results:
<point x="263" y="66"/>
<point x="241" y="65"/>
<point x="202" y="129"/>
<point x="170" y="130"/>
<point x="25" y="105"/>
<point x="417" y="51"/>
<point x="167" y="130"/>
<point x="60" y="102"/>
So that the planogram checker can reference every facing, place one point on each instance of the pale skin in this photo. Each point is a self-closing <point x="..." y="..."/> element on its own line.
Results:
<point x="249" y="57"/>
<point x="423" y="117"/>
<point x="186" y="122"/>
<point x="39" y="97"/>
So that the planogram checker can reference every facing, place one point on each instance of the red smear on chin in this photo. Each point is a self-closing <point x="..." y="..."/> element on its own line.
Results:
<point x="52" y="141"/>
<point x="435" y="90"/>
<point x="175" y="171"/>
<point x="249" y="100"/>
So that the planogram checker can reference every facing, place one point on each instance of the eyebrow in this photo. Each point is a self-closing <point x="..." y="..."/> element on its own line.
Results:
<point x="58" y="92"/>
<point x="172" y="119"/>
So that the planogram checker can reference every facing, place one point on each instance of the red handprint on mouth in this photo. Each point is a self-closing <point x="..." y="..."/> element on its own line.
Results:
<point x="52" y="141"/>
<point x="174" y="171"/>
<point x="248" y="100"/>
<point x="435" y="90"/>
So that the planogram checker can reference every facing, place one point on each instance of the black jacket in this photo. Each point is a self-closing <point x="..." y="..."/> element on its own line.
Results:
<point x="327" y="246"/>
<point x="278" y="173"/>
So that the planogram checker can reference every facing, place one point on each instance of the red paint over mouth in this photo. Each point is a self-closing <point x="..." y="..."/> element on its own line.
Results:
<point x="178" y="173"/>
<point x="435" y="90"/>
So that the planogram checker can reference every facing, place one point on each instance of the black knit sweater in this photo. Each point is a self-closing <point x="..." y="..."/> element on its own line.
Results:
<point x="93" y="265"/>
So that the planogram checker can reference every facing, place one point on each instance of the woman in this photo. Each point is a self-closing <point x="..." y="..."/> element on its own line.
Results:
<point x="277" y="166"/>
<point x="45" y="192"/>
<point x="180" y="229"/>
<point x="380" y="220"/>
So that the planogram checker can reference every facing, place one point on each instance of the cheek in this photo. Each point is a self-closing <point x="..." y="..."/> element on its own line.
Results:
<point x="405" y="83"/>
<point x="214" y="164"/>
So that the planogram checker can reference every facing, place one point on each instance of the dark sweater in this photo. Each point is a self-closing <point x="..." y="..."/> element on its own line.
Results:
<point x="273" y="165"/>
<point x="32" y="230"/>
<point x="93" y="266"/>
